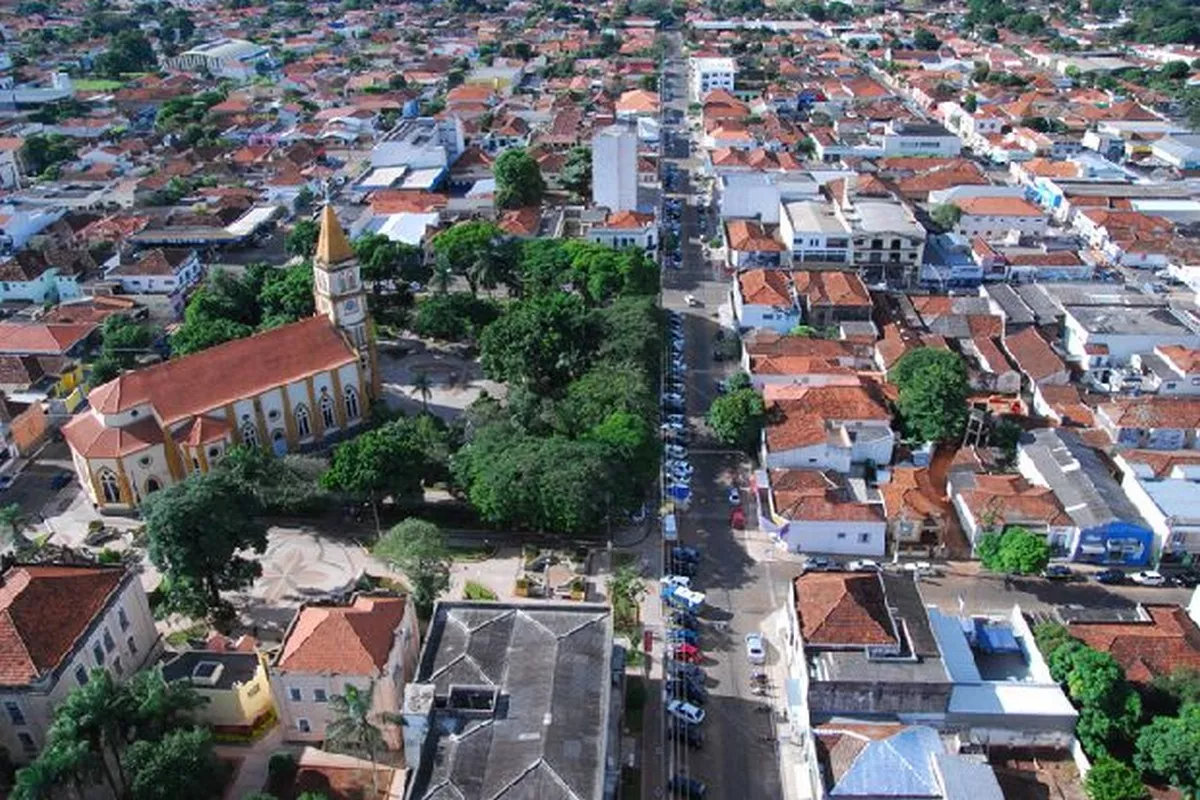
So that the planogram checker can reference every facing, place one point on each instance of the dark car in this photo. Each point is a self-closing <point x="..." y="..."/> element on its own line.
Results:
<point x="1058" y="572"/>
<point x="684" y="553"/>
<point x="684" y="620"/>
<point x="1110" y="577"/>
<point x="1187" y="580"/>
<point x="690" y="672"/>
<point x="823" y="564"/>
<point x="689" y="734"/>
<point x="683" y="689"/>
<point x="691" y="788"/>
<point x="59" y="480"/>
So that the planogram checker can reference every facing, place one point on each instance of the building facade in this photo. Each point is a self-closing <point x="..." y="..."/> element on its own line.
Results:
<point x="614" y="168"/>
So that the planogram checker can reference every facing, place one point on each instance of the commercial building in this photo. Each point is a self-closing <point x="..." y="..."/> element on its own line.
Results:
<point x="235" y="59"/>
<point x="709" y="74"/>
<point x="614" y="168"/>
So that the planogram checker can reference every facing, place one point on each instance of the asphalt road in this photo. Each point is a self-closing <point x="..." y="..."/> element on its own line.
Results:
<point x="736" y="759"/>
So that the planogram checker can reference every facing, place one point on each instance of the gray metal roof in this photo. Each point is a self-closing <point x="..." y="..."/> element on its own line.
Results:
<point x="546" y="738"/>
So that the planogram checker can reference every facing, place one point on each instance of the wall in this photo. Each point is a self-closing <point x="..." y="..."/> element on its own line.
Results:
<point x="815" y="456"/>
<point x="769" y="317"/>
<point x="996" y="226"/>
<point x="838" y="537"/>
<point x="240" y="706"/>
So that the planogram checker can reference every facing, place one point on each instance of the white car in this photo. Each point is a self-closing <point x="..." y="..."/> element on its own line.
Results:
<point x="920" y="567"/>
<point x="756" y="648"/>
<point x="1148" y="577"/>
<point x="864" y="565"/>
<point x="691" y="300"/>
<point x="676" y="580"/>
<point x="675" y="451"/>
<point x="686" y="712"/>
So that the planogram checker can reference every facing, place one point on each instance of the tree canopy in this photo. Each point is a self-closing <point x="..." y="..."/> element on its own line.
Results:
<point x="479" y="251"/>
<point x="1169" y="748"/>
<point x="1110" y="779"/>
<point x="736" y="418"/>
<point x="418" y="549"/>
<point x="541" y="342"/>
<point x="933" y="393"/>
<point x="1016" y="551"/>
<point x="228" y="307"/>
<point x="519" y="181"/>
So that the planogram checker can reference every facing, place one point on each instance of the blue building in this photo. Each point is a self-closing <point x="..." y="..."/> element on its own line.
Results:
<point x="1109" y="528"/>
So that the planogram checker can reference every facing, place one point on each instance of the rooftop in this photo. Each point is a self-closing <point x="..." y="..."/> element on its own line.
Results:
<point x="353" y="639"/>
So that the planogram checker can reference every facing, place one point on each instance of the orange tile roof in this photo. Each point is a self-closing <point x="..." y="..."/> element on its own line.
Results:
<point x="765" y="287"/>
<point x="198" y="383"/>
<point x="345" y="640"/>
<point x="91" y="438"/>
<point x="1154" y="412"/>
<point x="44" y="610"/>
<point x="1147" y="650"/>
<point x="803" y="414"/>
<point x="998" y="207"/>
<point x="638" y="101"/>
<point x="1186" y="359"/>
<point x="911" y="495"/>
<point x="40" y="338"/>
<point x="831" y="288"/>
<point x="1012" y="500"/>
<point x="1034" y="355"/>
<point x="628" y="219"/>
<point x="749" y="236"/>
<point x="808" y="494"/>
<point x="843" y="608"/>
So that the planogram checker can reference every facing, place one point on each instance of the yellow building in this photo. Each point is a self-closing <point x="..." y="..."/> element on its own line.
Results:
<point x="234" y="683"/>
<point x="295" y="387"/>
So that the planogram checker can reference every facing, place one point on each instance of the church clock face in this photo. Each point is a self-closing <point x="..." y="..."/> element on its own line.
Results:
<point x="350" y="306"/>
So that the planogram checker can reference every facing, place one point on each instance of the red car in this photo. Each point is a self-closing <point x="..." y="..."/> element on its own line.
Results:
<point x="688" y="653"/>
<point x="737" y="519"/>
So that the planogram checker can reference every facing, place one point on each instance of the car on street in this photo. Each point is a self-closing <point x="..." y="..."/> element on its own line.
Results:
<point x="678" y="669"/>
<point x="676" y="580"/>
<point x="735" y="497"/>
<point x="823" y="564"/>
<point x="1058" y="572"/>
<point x="756" y="648"/>
<point x="690" y="690"/>
<point x="6" y="481"/>
<point x="1148" y="577"/>
<point x="675" y="451"/>
<point x="692" y="301"/>
<point x="687" y="653"/>
<point x="685" y="553"/>
<point x="689" y="788"/>
<point x="683" y="635"/>
<point x="920" y="568"/>
<point x="863" y="565"/>
<point x="1110" y="577"/>
<point x="686" y="711"/>
<point x="689" y="734"/>
<point x="684" y="619"/>
<point x="1186" y="580"/>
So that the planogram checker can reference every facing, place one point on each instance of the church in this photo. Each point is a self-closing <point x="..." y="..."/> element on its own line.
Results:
<point x="294" y="387"/>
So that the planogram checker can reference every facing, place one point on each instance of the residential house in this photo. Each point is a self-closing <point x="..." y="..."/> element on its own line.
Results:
<point x="917" y="512"/>
<point x="829" y="297"/>
<point x="371" y="643"/>
<point x="1110" y="528"/>
<point x="489" y="675"/>
<point x="1154" y="423"/>
<point x="994" y="217"/>
<point x="1169" y="370"/>
<point x="621" y="229"/>
<point x="29" y="275"/>
<point x="991" y="503"/>
<point x="814" y="231"/>
<point x="161" y="270"/>
<point x="637" y="103"/>
<point x="1158" y="641"/>
<point x="827" y="427"/>
<point x="1162" y="487"/>
<point x="762" y="298"/>
<point x="62" y="622"/>
<point x="233" y="681"/>
<point x="750" y="244"/>
<point x="810" y="511"/>
<point x="1039" y="364"/>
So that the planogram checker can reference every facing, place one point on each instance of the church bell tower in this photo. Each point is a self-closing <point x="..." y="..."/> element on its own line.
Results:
<point x="339" y="293"/>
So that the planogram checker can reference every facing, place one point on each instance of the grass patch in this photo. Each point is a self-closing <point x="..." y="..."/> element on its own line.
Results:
<point x="635" y="703"/>
<point x="96" y="85"/>
<point x="631" y="784"/>
<point x="477" y="591"/>
<point x="197" y="630"/>
<point x="478" y="552"/>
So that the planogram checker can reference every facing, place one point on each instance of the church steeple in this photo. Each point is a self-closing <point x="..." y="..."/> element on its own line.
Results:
<point x="339" y="293"/>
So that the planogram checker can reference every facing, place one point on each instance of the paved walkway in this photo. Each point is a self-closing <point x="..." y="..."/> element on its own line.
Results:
<point x="253" y="759"/>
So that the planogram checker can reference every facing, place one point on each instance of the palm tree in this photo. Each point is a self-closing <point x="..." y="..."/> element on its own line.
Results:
<point x="443" y="276"/>
<point x="625" y="590"/>
<point x="423" y="386"/>
<point x="355" y="727"/>
<point x="12" y="517"/>
<point x="159" y="706"/>
<point x="96" y="715"/>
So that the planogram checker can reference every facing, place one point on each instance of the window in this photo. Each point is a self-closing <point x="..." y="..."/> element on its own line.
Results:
<point x="294" y="694"/>
<point x="249" y="433"/>
<point x="303" y="726"/>
<point x="864" y="538"/>
<point x="132" y="645"/>
<point x="319" y="696"/>
<point x="109" y="644"/>
<point x="98" y="654"/>
<point x="327" y="409"/>
<point x="1170" y="385"/>
<point x="303" y="426"/>
<point x="27" y="743"/>
<point x="117" y="666"/>
<point x="152" y="485"/>
<point x="195" y="464"/>
<point x="273" y="414"/>
<point x="841" y="536"/>
<point x="14" y="713"/>
<point x="81" y="676"/>
<point x="351" y="403"/>
<point x="214" y="452"/>
<point x="122" y="619"/>
<point x="145" y="461"/>
<point x="109" y="486"/>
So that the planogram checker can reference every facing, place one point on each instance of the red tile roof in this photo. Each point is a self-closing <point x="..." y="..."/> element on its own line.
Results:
<point x="44" y="610"/>
<point x="843" y="608"/>
<point x="765" y="287"/>
<point x="41" y="339"/>
<point x="198" y="383"/>
<point x="346" y="640"/>
<point x="1168" y="641"/>
<point x="831" y="288"/>
<point x="808" y="495"/>
<point x="1034" y="355"/>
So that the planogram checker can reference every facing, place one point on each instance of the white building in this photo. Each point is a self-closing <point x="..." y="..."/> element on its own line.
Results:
<point x="815" y="231"/>
<point x="993" y="217"/>
<point x="1162" y="487"/>
<point x="236" y="59"/>
<point x="919" y="139"/>
<point x="708" y="74"/>
<point x="62" y="622"/>
<point x="372" y="644"/>
<point x="826" y="427"/>
<point x="614" y="168"/>
<point x="812" y="512"/>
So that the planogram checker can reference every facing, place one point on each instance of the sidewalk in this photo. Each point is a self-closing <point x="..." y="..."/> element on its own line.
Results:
<point x="251" y="777"/>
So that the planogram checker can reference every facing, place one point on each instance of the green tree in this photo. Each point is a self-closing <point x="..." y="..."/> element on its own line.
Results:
<point x="625" y="591"/>
<point x="180" y="766"/>
<point x="197" y="528"/>
<point x="541" y="342"/>
<point x="1016" y="551"/>
<point x="933" y="394"/>
<point x="123" y="339"/>
<point x="384" y="261"/>
<point x="1176" y="690"/>
<point x="478" y="250"/>
<point x="924" y="40"/>
<point x="1109" y="779"/>
<point x="40" y="152"/>
<point x="91" y="721"/>
<point x="736" y="419"/>
<point x="355" y="729"/>
<point x="302" y="238"/>
<point x="376" y="464"/>
<point x="285" y="295"/>
<point x="128" y="51"/>
<point x="946" y="216"/>
<point x="1169" y="748"/>
<point x="519" y="180"/>
<point x="418" y="549"/>
<point x="12" y="517"/>
<point x="576" y="173"/>
<point x="454" y="317"/>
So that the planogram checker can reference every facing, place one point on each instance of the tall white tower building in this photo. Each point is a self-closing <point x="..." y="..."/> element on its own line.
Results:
<point x="615" y="168"/>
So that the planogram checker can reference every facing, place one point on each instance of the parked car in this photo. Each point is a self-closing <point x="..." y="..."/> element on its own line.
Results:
<point x="920" y="567"/>
<point x="1110" y="577"/>
<point x="737" y="519"/>
<point x="822" y="564"/>
<point x="1187" y="580"/>
<point x="863" y="565"/>
<point x="60" y="480"/>
<point x="687" y="653"/>
<point x="679" y="669"/>
<point x="686" y="711"/>
<point x="1058" y="572"/>
<point x="692" y="301"/>
<point x="684" y="553"/>
<point x="676" y="580"/>
<point x="690" y="690"/>
<point x="691" y="735"/>
<point x="684" y="619"/>
<point x="683" y="635"/>
<point x="690" y="788"/>
<point x="686" y="569"/>
<point x="6" y="481"/>
<point x="756" y="648"/>
<point x="1148" y="577"/>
